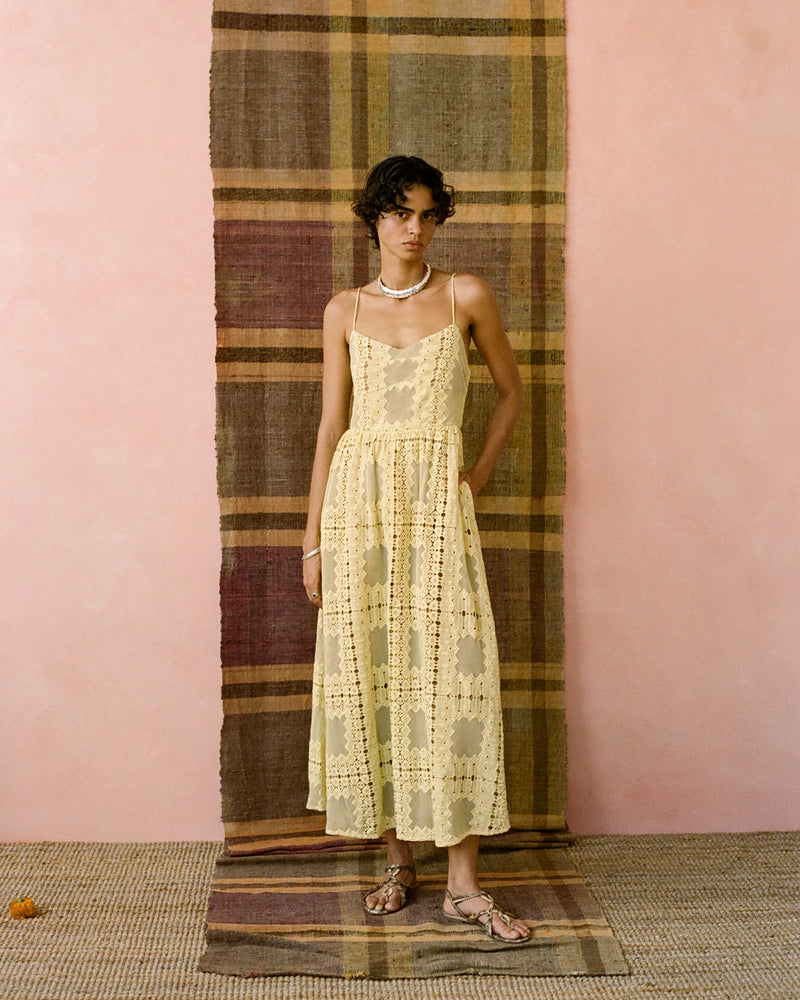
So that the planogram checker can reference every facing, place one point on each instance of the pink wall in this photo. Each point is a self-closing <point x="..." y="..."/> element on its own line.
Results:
<point x="110" y="611"/>
<point x="682" y="528"/>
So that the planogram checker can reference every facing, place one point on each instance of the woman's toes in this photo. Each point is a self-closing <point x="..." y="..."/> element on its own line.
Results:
<point x="377" y="901"/>
<point x="512" y="931"/>
<point x="393" y="902"/>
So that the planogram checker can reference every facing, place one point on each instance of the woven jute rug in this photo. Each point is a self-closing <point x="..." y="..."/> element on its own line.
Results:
<point x="713" y="917"/>
<point x="305" y="98"/>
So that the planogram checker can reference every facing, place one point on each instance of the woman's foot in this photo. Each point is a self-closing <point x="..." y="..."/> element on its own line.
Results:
<point x="475" y="906"/>
<point x="388" y="898"/>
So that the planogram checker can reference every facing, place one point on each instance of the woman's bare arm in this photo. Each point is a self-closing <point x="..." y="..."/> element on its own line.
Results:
<point x="477" y="302"/>
<point x="337" y="387"/>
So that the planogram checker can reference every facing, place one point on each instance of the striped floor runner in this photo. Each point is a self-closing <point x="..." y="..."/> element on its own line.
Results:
<point x="294" y="914"/>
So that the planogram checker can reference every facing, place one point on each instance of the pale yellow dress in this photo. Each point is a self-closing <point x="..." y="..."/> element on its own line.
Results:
<point x="406" y="720"/>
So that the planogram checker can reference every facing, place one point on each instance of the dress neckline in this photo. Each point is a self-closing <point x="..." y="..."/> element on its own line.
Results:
<point x="416" y="343"/>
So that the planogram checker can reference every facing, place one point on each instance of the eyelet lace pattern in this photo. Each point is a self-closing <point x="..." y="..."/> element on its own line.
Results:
<point x="406" y="718"/>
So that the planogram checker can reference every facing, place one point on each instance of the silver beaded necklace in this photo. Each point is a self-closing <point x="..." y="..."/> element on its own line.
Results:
<point x="404" y="293"/>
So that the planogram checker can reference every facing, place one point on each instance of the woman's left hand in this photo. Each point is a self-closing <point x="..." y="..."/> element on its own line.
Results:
<point x="468" y="477"/>
<point x="312" y="579"/>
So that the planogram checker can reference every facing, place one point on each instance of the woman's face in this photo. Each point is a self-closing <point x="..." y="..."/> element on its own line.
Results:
<point x="406" y="230"/>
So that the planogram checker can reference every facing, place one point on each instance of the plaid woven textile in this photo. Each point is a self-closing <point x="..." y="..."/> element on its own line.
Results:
<point x="305" y="99"/>
<point x="277" y="916"/>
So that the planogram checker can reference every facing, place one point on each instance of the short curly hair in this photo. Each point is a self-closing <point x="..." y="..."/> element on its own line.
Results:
<point x="386" y="186"/>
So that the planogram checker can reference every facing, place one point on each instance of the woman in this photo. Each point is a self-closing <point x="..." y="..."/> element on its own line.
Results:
<point x="406" y="738"/>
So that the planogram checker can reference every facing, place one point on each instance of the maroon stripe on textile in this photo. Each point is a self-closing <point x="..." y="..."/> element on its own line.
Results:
<point x="254" y="628"/>
<point x="272" y="274"/>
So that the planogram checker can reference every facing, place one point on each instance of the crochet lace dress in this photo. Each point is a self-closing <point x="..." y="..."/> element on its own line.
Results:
<point x="406" y="720"/>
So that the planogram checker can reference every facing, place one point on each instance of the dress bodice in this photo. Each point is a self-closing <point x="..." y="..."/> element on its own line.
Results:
<point x="421" y="385"/>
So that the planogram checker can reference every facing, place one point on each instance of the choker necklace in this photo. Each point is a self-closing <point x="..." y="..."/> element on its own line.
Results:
<point x="404" y="293"/>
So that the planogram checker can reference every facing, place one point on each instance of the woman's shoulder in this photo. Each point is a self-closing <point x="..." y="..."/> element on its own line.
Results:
<point x="341" y="304"/>
<point x="347" y="296"/>
<point x="471" y="288"/>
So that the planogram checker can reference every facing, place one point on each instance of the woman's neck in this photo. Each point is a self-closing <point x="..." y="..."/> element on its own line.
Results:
<point x="398" y="274"/>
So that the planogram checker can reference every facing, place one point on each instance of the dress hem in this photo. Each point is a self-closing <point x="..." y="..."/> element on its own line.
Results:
<point x="418" y="840"/>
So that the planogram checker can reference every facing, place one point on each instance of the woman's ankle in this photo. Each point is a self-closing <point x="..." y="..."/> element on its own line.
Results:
<point x="398" y="852"/>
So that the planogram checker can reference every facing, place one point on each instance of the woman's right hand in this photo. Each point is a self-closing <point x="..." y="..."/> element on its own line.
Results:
<point x="312" y="579"/>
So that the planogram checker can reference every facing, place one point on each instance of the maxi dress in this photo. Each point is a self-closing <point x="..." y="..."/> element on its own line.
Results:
<point x="406" y="727"/>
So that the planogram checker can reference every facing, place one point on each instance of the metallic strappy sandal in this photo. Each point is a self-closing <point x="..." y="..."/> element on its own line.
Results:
<point x="388" y="885"/>
<point x="491" y="911"/>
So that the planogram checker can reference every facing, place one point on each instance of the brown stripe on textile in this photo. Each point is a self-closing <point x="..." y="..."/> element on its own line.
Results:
<point x="458" y="26"/>
<point x="515" y="9"/>
<point x="348" y="195"/>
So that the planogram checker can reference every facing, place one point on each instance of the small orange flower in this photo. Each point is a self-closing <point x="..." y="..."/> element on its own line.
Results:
<point x="23" y="907"/>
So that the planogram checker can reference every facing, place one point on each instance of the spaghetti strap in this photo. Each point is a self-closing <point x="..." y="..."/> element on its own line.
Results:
<point x="453" y="298"/>
<point x="355" y="310"/>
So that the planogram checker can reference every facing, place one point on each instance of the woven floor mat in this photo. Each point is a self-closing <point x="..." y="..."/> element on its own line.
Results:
<point x="711" y="916"/>
<point x="285" y="914"/>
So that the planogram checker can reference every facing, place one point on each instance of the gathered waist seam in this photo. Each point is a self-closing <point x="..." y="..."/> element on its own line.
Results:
<point x="408" y="430"/>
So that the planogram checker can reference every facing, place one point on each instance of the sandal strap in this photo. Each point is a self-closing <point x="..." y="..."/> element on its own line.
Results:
<point x="394" y="869"/>
<point x="462" y="899"/>
<point x="492" y="911"/>
<point x="392" y="882"/>
<point x="387" y="888"/>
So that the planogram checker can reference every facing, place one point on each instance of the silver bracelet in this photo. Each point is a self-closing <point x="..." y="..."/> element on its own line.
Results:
<point x="313" y="552"/>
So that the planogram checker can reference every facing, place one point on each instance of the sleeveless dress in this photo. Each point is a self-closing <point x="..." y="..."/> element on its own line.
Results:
<point x="406" y="725"/>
